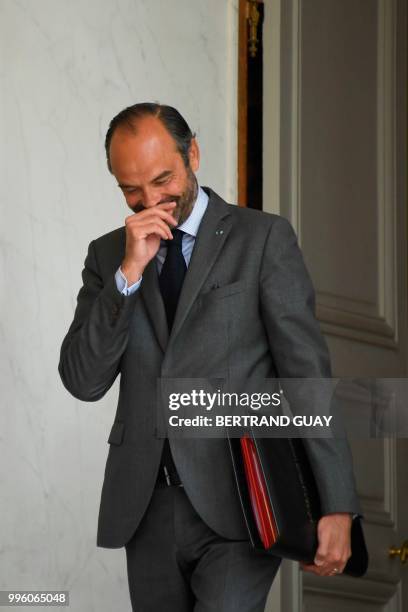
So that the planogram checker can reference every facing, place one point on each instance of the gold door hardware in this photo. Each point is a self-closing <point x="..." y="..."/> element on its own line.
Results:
<point x="401" y="552"/>
<point x="253" y="16"/>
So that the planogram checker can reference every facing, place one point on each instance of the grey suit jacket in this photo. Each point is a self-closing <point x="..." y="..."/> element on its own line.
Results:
<point x="246" y="308"/>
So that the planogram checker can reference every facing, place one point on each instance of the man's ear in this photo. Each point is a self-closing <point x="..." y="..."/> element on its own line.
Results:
<point x="194" y="155"/>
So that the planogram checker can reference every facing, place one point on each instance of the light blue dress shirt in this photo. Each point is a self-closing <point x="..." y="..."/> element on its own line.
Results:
<point x="190" y="229"/>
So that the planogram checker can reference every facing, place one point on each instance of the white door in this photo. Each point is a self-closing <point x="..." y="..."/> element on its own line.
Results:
<point x="335" y="128"/>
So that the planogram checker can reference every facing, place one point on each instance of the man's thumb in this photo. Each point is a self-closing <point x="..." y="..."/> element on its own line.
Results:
<point x="319" y="559"/>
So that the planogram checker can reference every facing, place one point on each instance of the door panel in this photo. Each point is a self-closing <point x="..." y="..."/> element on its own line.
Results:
<point x="342" y="183"/>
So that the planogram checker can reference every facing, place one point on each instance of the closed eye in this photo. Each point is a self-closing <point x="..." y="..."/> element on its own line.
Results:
<point x="163" y="181"/>
<point x="163" y="178"/>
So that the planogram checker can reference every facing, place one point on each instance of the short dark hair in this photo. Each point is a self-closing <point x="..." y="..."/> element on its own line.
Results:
<point x="172" y="120"/>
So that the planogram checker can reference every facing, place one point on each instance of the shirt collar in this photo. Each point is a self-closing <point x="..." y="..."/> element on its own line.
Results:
<point x="192" y="223"/>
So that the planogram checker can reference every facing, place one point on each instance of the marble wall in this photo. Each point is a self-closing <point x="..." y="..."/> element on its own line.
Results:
<point x="66" y="67"/>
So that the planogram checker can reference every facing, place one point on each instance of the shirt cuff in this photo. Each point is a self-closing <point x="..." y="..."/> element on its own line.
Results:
<point x="122" y="284"/>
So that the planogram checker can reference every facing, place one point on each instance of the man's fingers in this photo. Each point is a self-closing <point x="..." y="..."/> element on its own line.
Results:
<point x="324" y="570"/>
<point x="156" y="211"/>
<point x="152" y="212"/>
<point x="166" y="205"/>
<point x="161" y="206"/>
<point x="334" y="545"/>
<point x="322" y="551"/>
<point x="331" y="565"/>
<point x="148" y="214"/>
<point x="140" y="227"/>
<point x="307" y="568"/>
<point x="313" y="569"/>
<point x="327" y="561"/>
<point x="161" y="229"/>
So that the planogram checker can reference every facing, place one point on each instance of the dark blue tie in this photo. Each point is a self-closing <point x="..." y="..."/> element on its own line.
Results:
<point x="172" y="275"/>
<point x="171" y="281"/>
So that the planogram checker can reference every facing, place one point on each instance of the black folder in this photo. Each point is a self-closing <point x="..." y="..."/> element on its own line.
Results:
<point x="289" y="485"/>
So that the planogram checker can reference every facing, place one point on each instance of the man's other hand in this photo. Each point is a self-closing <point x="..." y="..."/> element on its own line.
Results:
<point x="334" y="548"/>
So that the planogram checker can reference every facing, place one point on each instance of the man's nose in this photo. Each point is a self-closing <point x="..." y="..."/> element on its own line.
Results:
<point x="150" y="199"/>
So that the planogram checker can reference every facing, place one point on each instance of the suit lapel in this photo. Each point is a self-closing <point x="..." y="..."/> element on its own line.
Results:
<point x="154" y="303"/>
<point x="212" y="233"/>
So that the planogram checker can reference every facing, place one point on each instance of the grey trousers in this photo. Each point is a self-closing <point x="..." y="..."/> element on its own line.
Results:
<point x="175" y="562"/>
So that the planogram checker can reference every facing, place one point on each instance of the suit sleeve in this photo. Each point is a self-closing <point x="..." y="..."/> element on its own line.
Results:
<point x="299" y="350"/>
<point x="92" y="349"/>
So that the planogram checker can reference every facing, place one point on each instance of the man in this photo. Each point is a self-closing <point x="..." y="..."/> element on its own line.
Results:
<point x="192" y="287"/>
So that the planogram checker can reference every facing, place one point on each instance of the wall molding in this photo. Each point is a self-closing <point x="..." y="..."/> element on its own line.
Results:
<point x="343" y="588"/>
<point x="356" y="319"/>
<point x="383" y="511"/>
<point x="340" y="315"/>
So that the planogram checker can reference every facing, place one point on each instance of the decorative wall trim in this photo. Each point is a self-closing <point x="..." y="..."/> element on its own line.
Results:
<point x="372" y="323"/>
<point x="271" y="107"/>
<point x="343" y="588"/>
<point x="296" y="105"/>
<point x="383" y="511"/>
<point x="340" y="316"/>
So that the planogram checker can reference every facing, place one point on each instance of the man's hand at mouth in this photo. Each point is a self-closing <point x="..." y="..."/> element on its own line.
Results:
<point x="144" y="230"/>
